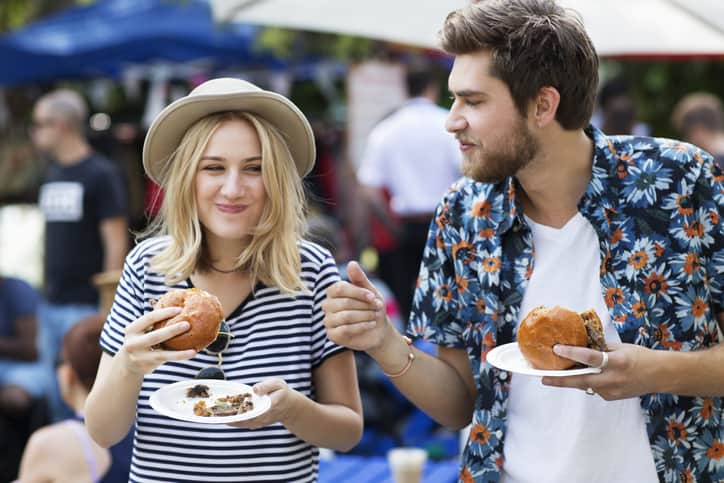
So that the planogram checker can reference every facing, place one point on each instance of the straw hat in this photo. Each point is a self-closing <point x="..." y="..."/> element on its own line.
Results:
<point x="226" y="94"/>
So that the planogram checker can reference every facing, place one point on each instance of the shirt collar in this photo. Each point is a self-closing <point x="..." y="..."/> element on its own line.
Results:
<point x="595" y="197"/>
<point x="599" y="201"/>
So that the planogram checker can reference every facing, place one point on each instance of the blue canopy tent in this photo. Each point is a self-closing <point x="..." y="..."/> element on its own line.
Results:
<point x="103" y="38"/>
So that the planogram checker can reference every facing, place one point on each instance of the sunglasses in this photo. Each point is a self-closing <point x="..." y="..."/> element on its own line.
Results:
<point x="217" y="347"/>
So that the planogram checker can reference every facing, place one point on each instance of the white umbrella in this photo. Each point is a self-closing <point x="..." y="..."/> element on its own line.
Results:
<point x="617" y="27"/>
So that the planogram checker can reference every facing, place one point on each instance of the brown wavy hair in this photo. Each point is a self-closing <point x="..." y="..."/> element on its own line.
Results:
<point x="533" y="44"/>
<point x="81" y="348"/>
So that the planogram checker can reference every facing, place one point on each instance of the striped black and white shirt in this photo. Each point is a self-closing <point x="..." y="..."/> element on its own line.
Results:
<point x="274" y="335"/>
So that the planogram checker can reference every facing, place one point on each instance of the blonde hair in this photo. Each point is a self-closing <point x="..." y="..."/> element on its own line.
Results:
<point x="272" y="255"/>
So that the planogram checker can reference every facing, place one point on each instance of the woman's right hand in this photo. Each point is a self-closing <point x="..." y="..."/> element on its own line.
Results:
<point x="140" y="353"/>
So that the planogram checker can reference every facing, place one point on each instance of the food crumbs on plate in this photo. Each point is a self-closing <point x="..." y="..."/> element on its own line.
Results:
<point x="199" y="390"/>
<point x="226" y="406"/>
<point x="200" y="409"/>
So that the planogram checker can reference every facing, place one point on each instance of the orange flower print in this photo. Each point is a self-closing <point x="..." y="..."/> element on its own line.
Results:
<point x="488" y="344"/>
<point x="463" y="250"/>
<point x="479" y="434"/>
<point x="694" y="230"/>
<point x="611" y="147"/>
<point x="638" y="260"/>
<point x="686" y="476"/>
<point x="639" y="309"/>
<point x="613" y="297"/>
<point x="676" y="431"/>
<point x="616" y="236"/>
<point x="683" y="205"/>
<point x="668" y="344"/>
<point x="486" y="233"/>
<point x="443" y="292"/>
<point x="655" y="283"/>
<point x="713" y="217"/>
<point x="707" y="409"/>
<point x="658" y="249"/>
<point x="481" y="209"/>
<point x="605" y="263"/>
<point x="718" y="178"/>
<point x="491" y="264"/>
<point x="480" y="306"/>
<point x="462" y="283"/>
<point x="692" y="264"/>
<point x="442" y="218"/>
<point x="698" y="307"/>
<point x="621" y="170"/>
<point x="716" y="451"/>
<point x="663" y="335"/>
<point x="466" y="476"/>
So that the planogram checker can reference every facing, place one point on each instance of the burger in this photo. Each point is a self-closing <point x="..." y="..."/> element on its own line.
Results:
<point x="545" y="327"/>
<point x="200" y="309"/>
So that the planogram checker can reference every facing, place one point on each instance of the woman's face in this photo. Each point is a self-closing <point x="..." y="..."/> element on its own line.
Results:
<point x="230" y="192"/>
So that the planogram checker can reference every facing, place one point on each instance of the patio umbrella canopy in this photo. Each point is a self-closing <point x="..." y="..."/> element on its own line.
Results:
<point x="619" y="28"/>
<point x="103" y="38"/>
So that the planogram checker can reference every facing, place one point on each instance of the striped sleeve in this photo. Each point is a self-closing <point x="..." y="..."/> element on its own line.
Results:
<point x="128" y="302"/>
<point x="326" y="275"/>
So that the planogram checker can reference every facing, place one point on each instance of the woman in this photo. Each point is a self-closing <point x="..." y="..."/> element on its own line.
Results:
<point x="230" y="158"/>
<point x="63" y="451"/>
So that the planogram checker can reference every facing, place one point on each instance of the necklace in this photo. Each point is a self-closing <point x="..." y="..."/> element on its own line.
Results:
<point x="224" y="271"/>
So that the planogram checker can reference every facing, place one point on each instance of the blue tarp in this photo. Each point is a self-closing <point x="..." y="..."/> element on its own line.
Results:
<point x="100" y="39"/>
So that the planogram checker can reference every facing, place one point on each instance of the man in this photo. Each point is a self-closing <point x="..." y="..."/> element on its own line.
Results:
<point x="699" y="117"/>
<point x="20" y="374"/>
<point x="617" y="109"/>
<point x="411" y="158"/>
<point x="557" y="213"/>
<point x="86" y="232"/>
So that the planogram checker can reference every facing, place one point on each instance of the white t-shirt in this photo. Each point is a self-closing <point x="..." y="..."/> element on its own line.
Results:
<point x="412" y="155"/>
<point x="560" y="434"/>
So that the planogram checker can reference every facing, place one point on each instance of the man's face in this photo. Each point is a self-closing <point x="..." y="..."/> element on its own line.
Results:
<point x="494" y="138"/>
<point x="46" y="130"/>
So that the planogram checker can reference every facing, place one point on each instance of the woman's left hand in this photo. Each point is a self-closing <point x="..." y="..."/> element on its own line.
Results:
<point x="282" y="404"/>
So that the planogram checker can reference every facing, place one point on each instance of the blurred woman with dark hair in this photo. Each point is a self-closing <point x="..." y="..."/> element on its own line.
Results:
<point x="64" y="451"/>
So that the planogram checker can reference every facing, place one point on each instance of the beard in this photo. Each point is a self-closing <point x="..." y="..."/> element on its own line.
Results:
<point x="502" y="158"/>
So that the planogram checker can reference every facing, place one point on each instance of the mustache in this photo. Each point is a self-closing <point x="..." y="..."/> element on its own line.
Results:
<point x="464" y="139"/>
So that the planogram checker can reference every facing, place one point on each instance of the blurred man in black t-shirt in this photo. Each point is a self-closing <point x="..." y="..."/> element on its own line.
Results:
<point x="86" y="232"/>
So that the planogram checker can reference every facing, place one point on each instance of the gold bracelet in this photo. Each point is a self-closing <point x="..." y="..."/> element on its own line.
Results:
<point x="410" y="358"/>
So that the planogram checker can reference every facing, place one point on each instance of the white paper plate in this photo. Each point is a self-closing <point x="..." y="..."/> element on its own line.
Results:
<point x="171" y="401"/>
<point x="509" y="358"/>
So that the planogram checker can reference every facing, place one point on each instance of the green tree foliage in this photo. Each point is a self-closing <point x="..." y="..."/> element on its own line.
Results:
<point x="296" y="45"/>
<point x="16" y="13"/>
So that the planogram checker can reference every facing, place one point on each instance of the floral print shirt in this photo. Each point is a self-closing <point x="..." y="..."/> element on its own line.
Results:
<point x="656" y="206"/>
